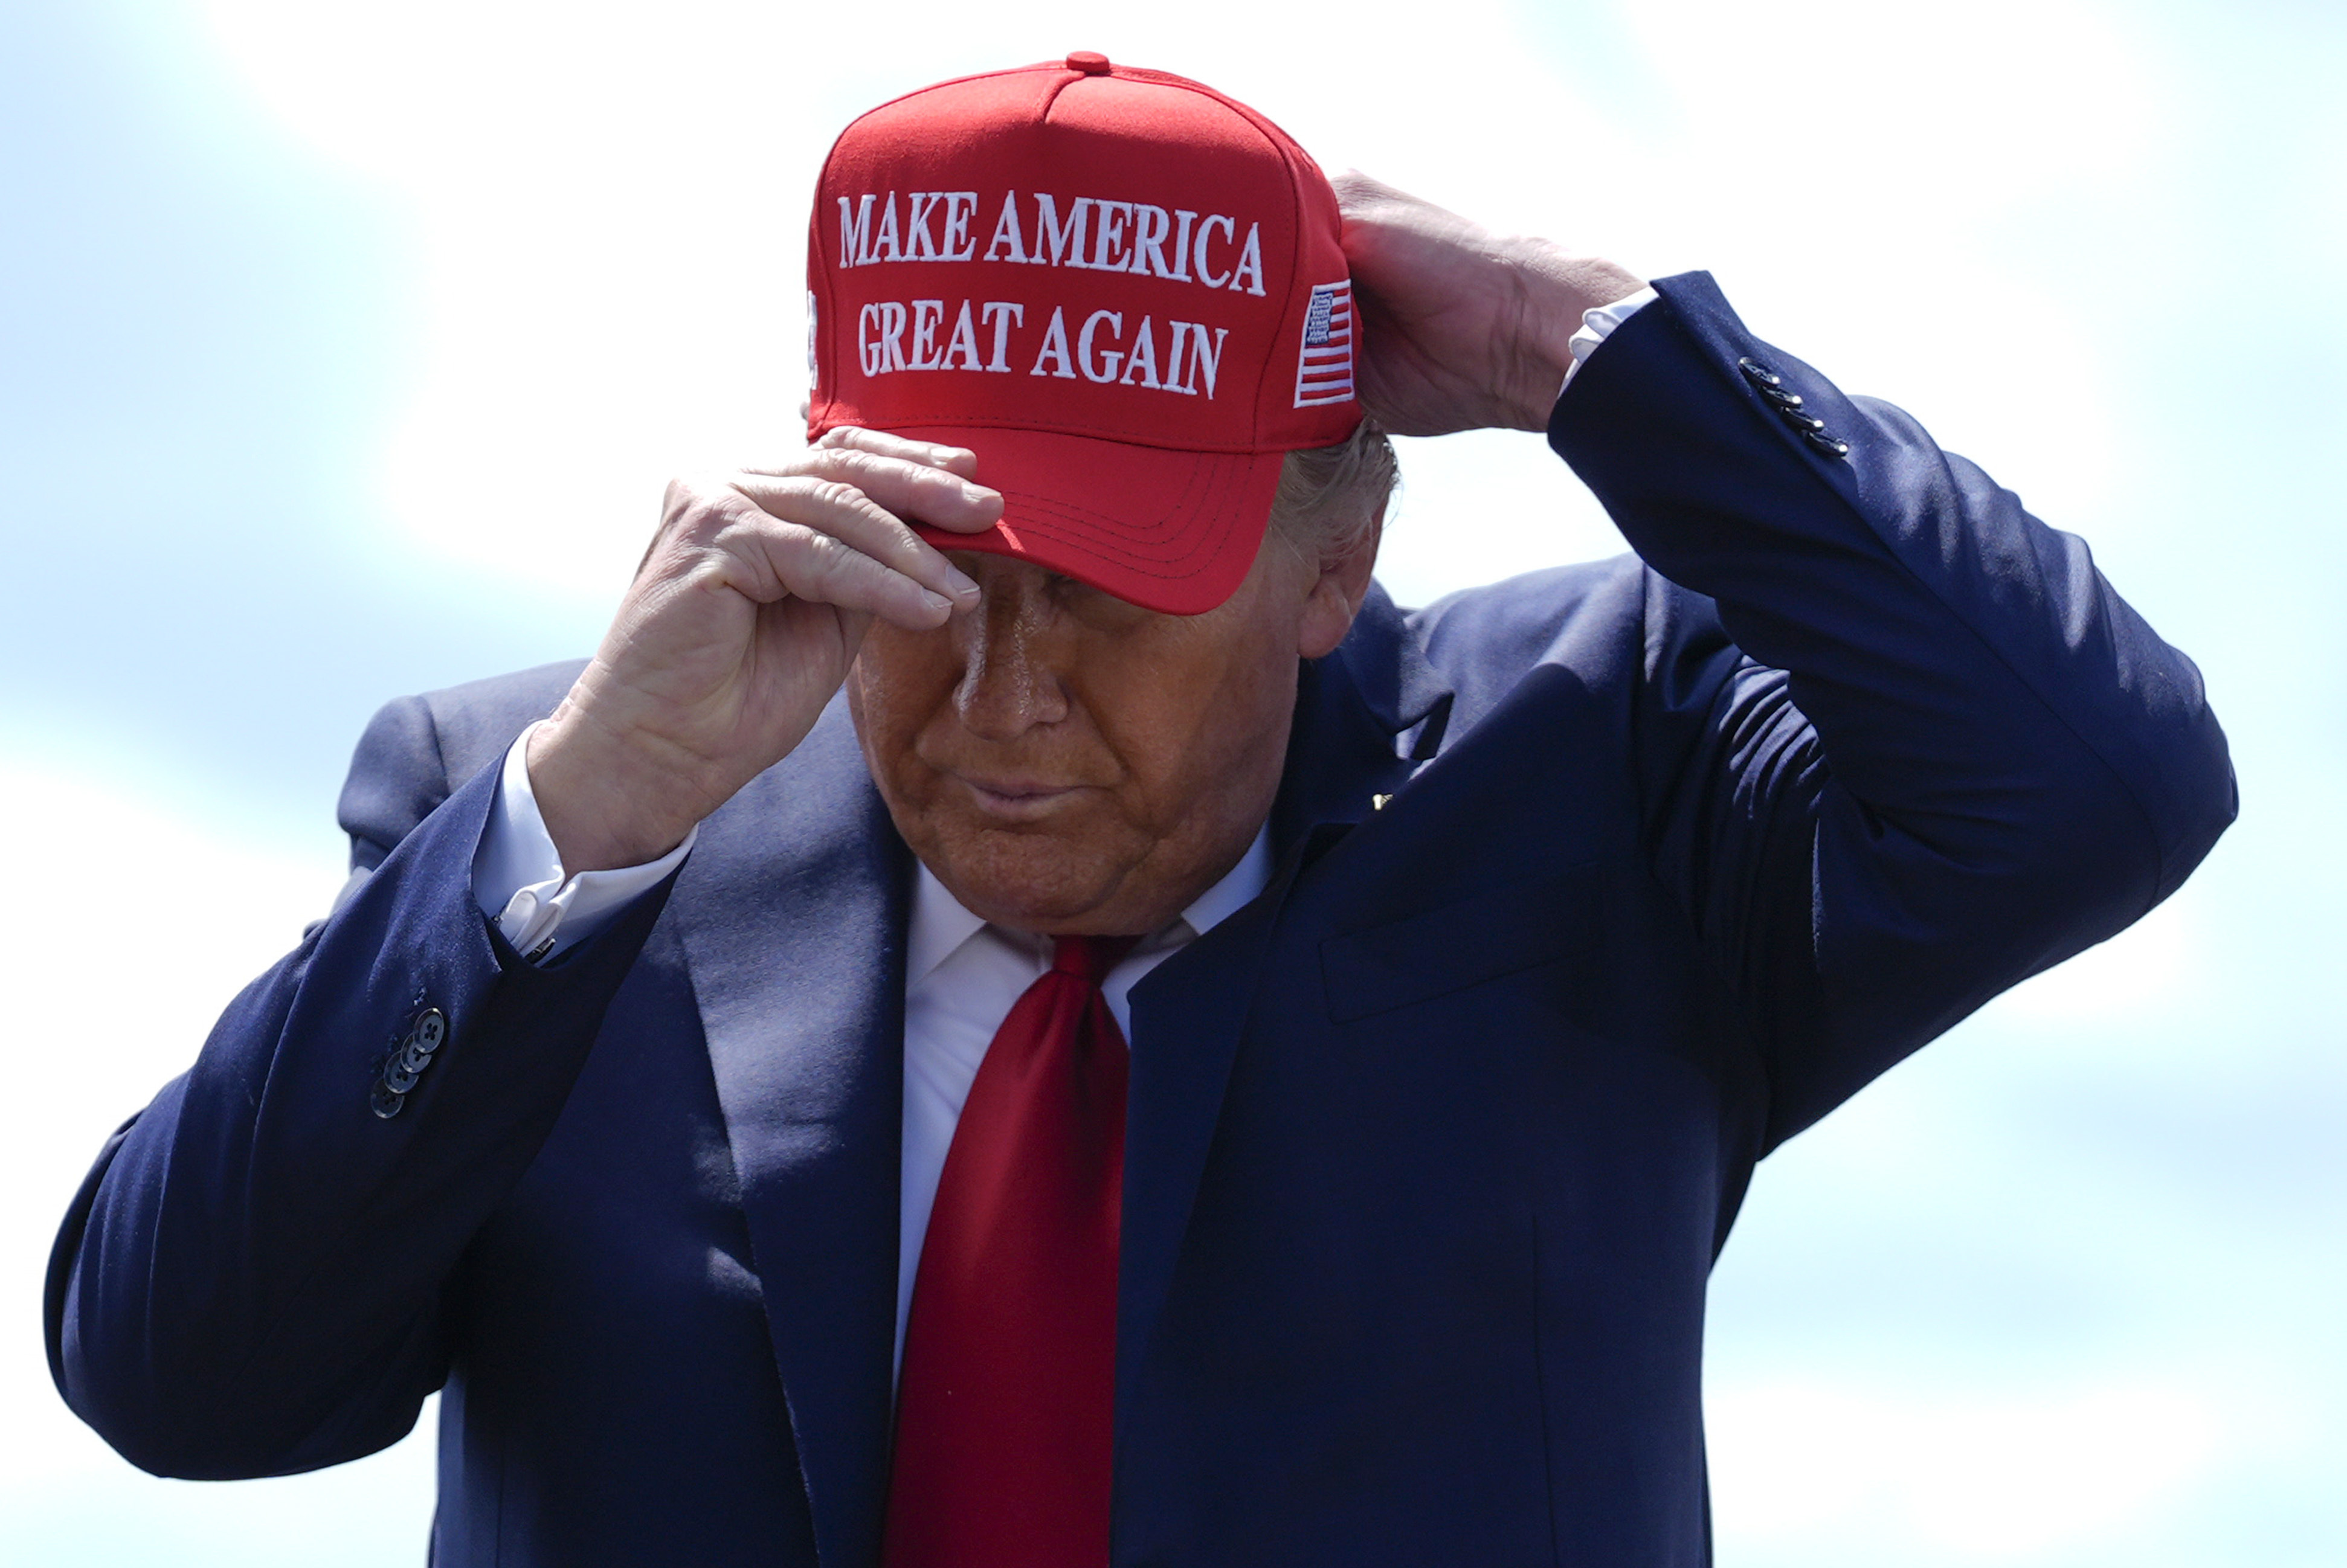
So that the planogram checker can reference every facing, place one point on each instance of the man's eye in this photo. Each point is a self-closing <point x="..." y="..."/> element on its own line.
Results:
<point x="1093" y="606"/>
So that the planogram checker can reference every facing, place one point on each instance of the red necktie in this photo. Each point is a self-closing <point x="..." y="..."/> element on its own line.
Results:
<point x="1005" y="1401"/>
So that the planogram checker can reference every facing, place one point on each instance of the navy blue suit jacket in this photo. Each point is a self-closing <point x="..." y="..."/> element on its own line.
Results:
<point x="1431" y="1147"/>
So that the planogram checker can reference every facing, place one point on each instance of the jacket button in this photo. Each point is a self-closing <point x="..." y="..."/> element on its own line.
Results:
<point x="1758" y="375"/>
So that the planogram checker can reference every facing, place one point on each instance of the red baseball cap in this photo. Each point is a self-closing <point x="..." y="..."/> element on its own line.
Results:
<point x="1123" y="291"/>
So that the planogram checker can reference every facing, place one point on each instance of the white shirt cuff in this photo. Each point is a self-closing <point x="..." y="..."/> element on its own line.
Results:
<point x="1597" y="326"/>
<point x="518" y="877"/>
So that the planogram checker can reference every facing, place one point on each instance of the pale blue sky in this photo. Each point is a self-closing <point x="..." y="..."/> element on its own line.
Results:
<point x="343" y="350"/>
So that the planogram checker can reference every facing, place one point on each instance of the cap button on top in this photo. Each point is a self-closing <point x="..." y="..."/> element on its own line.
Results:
<point x="1091" y="64"/>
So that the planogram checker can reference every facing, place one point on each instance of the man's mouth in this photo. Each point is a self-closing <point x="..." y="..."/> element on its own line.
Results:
<point x="1018" y="799"/>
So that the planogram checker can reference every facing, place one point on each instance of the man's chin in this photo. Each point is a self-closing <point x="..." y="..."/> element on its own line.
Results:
<point x="1031" y="882"/>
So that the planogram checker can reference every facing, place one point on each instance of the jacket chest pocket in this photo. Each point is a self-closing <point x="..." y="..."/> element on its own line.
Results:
<point x="1498" y="931"/>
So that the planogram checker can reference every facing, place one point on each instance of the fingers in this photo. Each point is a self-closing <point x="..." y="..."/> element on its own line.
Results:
<point x="1355" y="190"/>
<point x="1365" y="199"/>
<point x="823" y="568"/>
<point x="912" y="479"/>
<point x="833" y="526"/>
<point x="829" y="539"/>
<point x="959" y="460"/>
<point x="920" y="480"/>
<point x="868" y="500"/>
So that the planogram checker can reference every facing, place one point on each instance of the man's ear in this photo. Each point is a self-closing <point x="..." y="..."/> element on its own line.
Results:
<point x="1335" y="596"/>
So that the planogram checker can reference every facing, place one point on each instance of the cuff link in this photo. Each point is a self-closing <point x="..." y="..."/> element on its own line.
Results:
<point x="403" y="1067"/>
<point x="1789" y="408"/>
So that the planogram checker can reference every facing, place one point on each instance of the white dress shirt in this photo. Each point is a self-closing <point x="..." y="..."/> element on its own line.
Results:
<point x="961" y="973"/>
<point x="1596" y="326"/>
<point x="961" y="978"/>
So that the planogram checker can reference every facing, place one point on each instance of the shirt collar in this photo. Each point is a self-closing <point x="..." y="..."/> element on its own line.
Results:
<point x="940" y="924"/>
<point x="1236" y="890"/>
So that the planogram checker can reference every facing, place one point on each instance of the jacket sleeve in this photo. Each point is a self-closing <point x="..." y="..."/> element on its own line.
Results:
<point x="252" y="1280"/>
<point x="1934" y="752"/>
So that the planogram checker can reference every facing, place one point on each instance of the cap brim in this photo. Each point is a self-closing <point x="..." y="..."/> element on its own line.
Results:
<point x="1170" y="532"/>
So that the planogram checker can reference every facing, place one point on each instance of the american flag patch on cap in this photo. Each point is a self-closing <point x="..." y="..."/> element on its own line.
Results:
<point x="1325" y="372"/>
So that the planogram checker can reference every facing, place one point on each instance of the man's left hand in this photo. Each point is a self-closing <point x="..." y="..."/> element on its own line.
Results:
<point x="1463" y="329"/>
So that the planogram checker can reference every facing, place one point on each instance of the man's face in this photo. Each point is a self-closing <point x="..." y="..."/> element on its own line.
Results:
<point x="1068" y="763"/>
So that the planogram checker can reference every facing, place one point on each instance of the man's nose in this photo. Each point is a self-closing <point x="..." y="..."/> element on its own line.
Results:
<point x="1009" y="681"/>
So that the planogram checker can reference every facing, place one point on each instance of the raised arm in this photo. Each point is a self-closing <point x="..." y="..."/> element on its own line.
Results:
<point x="1915" y="748"/>
<point x="251" y="1280"/>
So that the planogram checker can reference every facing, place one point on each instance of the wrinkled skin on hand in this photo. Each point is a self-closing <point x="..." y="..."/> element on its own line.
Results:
<point x="1062" y="760"/>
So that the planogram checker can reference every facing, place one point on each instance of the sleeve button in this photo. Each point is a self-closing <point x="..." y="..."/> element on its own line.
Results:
<point x="384" y="1103"/>
<point x="431" y="1029"/>
<point x="1758" y="375"/>
<point x="1832" y="446"/>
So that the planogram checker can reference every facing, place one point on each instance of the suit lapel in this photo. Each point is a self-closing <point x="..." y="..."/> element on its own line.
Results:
<point x="792" y="911"/>
<point x="1188" y="1015"/>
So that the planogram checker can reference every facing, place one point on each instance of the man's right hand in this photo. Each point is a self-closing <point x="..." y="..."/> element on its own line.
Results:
<point x="740" y="625"/>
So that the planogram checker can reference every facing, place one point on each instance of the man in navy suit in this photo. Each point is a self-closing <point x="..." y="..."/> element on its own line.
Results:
<point x="1470" y="956"/>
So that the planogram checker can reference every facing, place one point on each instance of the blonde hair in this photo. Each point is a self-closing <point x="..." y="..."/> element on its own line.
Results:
<point x="1333" y="501"/>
